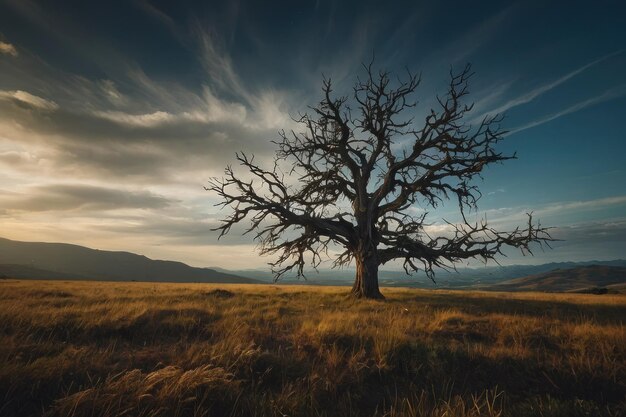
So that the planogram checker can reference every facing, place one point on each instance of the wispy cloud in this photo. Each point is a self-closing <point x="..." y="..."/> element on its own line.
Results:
<point x="28" y="98"/>
<point x="595" y="232"/>
<point x="557" y="214"/>
<point x="144" y="120"/>
<point x="489" y="96"/>
<point x="7" y="48"/>
<point x="157" y="14"/>
<point x="611" y="94"/>
<point x="219" y="65"/>
<point x="478" y="36"/>
<point x="596" y="204"/>
<point x="496" y="191"/>
<point x="538" y="91"/>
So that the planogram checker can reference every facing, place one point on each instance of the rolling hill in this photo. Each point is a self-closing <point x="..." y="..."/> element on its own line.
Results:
<point x="461" y="278"/>
<point x="577" y="279"/>
<point x="37" y="260"/>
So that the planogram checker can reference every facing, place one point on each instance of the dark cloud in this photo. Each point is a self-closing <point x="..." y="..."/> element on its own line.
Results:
<point x="75" y="197"/>
<point x="609" y="233"/>
<point x="187" y="231"/>
<point x="91" y="144"/>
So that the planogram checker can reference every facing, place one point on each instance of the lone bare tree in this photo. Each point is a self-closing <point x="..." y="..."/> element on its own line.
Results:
<point x="361" y="163"/>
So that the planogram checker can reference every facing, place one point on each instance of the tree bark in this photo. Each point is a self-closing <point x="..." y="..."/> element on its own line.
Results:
<point x="366" y="281"/>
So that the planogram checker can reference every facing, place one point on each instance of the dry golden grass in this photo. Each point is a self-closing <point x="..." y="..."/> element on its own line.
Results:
<point x="141" y="349"/>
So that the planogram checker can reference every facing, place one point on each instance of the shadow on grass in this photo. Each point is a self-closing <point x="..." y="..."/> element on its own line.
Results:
<point x="311" y="378"/>
<point x="485" y="305"/>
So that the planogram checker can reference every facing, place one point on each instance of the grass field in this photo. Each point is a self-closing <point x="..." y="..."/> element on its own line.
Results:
<point x="140" y="349"/>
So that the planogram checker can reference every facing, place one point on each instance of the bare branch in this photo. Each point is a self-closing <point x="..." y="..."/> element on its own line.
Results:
<point x="349" y="187"/>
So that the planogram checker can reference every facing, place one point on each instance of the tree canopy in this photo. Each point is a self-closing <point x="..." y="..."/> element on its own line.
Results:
<point x="351" y="179"/>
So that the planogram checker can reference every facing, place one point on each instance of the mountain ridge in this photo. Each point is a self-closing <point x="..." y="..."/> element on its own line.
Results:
<point x="44" y="260"/>
<point x="75" y="261"/>
<point x="462" y="277"/>
<point x="579" y="279"/>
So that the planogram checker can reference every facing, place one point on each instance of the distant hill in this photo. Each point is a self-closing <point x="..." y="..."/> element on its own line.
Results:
<point x="462" y="278"/>
<point x="37" y="260"/>
<point x="33" y="260"/>
<point x="10" y="271"/>
<point x="580" y="279"/>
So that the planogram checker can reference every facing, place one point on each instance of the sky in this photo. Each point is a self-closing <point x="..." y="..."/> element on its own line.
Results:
<point x="113" y="115"/>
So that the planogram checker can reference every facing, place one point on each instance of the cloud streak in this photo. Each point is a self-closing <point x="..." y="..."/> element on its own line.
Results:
<point x="608" y="95"/>
<point x="536" y="92"/>
<point x="81" y="197"/>
<point x="7" y="48"/>
<point x="29" y="99"/>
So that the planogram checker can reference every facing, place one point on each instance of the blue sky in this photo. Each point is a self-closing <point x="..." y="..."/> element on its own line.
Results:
<point x="114" y="114"/>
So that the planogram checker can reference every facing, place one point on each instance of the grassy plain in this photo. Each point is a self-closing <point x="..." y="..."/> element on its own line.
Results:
<point x="141" y="349"/>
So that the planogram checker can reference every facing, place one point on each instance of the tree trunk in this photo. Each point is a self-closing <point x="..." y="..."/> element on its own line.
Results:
<point x="366" y="281"/>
